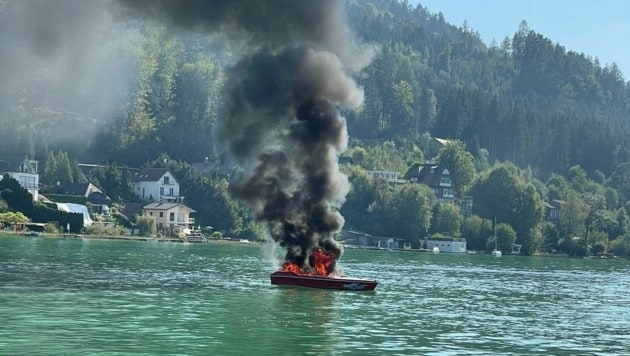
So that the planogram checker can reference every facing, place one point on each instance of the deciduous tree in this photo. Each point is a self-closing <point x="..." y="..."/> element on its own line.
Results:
<point x="459" y="162"/>
<point x="405" y="211"/>
<point x="503" y="195"/>
<point x="447" y="220"/>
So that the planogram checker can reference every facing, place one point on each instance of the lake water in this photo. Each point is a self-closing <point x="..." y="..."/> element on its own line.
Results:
<point x="81" y="296"/>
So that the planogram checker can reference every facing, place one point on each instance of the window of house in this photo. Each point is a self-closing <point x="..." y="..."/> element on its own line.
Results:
<point x="161" y="190"/>
<point x="161" y="214"/>
<point x="170" y="192"/>
<point x="167" y="180"/>
<point x="445" y="182"/>
<point x="172" y="217"/>
<point x="448" y="193"/>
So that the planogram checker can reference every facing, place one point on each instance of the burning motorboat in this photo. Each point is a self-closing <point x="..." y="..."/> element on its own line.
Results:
<point x="323" y="282"/>
<point x="319" y="276"/>
<point x="281" y="121"/>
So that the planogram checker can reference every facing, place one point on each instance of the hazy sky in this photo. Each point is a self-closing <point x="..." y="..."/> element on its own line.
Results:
<point x="599" y="28"/>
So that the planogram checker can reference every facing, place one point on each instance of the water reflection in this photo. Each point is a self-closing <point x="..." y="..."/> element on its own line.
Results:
<point x="302" y="319"/>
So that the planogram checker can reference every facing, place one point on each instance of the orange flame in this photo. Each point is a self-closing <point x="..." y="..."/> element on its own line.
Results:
<point x="292" y="267"/>
<point x="320" y="259"/>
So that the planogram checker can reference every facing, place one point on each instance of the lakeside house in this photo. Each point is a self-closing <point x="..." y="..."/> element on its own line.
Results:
<point x="82" y="193"/>
<point x="446" y="244"/>
<point x="438" y="178"/>
<point x="27" y="175"/>
<point x="156" y="184"/>
<point x="552" y="210"/>
<point x="387" y="176"/>
<point x="361" y="239"/>
<point x="170" y="215"/>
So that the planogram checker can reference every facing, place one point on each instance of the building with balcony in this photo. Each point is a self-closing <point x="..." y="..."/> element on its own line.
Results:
<point x="386" y="176"/>
<point x="438" y="178"/>
<point x="157" y="185"/>
<point x="175" y="216"/>
<point x="27" y="175"/>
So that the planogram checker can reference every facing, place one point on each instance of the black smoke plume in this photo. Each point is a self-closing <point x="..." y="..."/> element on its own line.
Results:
<point x="281" y="119"/>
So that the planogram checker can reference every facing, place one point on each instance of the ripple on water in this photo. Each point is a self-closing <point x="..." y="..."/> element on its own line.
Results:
<point x="82" y="297"/>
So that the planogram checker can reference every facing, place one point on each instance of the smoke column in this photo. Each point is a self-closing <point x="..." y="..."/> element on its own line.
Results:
<point x="281" y="121"/>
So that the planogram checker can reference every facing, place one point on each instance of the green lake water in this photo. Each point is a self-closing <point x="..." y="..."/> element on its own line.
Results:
<point x="82" y="297"/>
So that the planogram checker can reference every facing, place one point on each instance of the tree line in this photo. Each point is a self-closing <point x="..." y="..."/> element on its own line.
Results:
<point x="593" y="215"/>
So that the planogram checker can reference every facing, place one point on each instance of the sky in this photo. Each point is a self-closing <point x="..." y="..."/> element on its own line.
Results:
<point x="599" y="28"/>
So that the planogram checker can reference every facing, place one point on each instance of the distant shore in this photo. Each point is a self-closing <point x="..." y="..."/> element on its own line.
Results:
<point x="233" y="240"/>
<point x="129" y="238"/>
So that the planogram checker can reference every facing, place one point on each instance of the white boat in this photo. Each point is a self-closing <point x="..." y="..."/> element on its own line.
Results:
<point x="435" y="249"/>
<point x="516" y="249"/>
<point x="495" y="252"/>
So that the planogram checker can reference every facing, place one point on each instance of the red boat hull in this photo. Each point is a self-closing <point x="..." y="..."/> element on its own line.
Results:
<point x="308" y="281"/>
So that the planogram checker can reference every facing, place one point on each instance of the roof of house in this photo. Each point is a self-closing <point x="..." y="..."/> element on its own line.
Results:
<point x="82" y="189"/>
<point x="165" y="206"/>
<point x="428" y="174"/>
<point x="554" y="204"/>
<point x="18" y="164"/>
<point x="88" y="190"/>
<point x="442" y="141"/>
<point x="7" y="164"/>
<point x="98" y="198"/>
<point x="149" y="174"/>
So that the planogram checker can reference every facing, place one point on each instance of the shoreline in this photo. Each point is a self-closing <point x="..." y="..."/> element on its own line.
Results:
<point x="129" y="238"/>
<point x="248" y="242"/>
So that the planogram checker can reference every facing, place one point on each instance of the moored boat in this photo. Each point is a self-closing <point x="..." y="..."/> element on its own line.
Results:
<point x="496" y="252"/>
<point x="310" y="281"/>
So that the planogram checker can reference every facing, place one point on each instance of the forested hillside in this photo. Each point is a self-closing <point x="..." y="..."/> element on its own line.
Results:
<point x="527" y="99"/>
